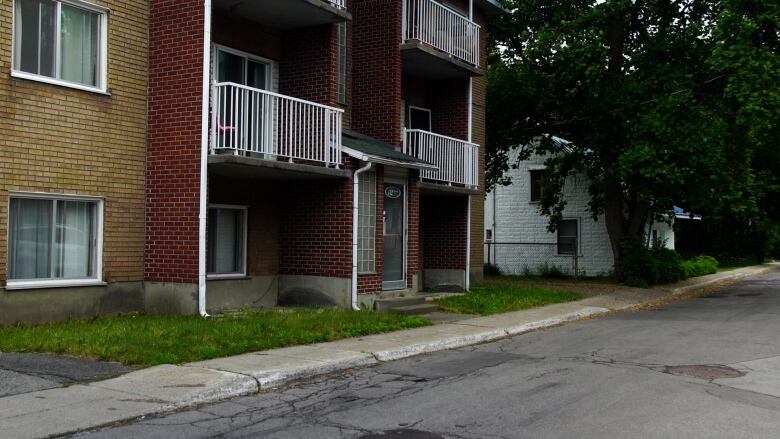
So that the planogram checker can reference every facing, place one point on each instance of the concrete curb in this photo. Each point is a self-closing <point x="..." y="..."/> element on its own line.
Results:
<point x="164" y="388"/>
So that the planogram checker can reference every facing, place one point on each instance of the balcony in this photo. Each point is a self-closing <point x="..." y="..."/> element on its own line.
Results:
<point x="274" y="131"/>
<point x="439" y="42"/>
<point x="457" y="160"/>
<point x="287" y="14"/>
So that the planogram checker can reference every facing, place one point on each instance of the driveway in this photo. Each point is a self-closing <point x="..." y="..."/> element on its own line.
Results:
<point x="707" y="367"/>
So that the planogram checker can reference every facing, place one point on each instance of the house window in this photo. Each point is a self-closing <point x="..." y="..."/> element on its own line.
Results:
<point x="227" y="241"/>
<point x="419" y="118"/>
<point x="367" y="223"/>
<point x="567" y="237"/>
<point x="342" y="63"/>
<point x="53" y="240"/>
<point x="536" y="185"/>
<point x="61" y="42"/>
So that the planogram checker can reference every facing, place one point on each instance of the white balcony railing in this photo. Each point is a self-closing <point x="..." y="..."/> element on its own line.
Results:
<point x="341" y="4"/>
<point x="247" y="120"/>
<point x="443" y="28"/>
<point x="457" y="160"/>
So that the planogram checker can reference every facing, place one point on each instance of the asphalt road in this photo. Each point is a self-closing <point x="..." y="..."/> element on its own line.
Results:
<point x="623" y="376"/>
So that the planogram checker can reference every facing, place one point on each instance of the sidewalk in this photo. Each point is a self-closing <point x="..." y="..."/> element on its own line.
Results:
<point x="163" y="388"/>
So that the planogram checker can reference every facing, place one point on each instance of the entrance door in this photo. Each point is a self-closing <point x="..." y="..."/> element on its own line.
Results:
<point x="394" y="237"/>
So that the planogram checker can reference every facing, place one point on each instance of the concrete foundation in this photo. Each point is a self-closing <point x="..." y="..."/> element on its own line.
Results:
<point x="337" y="289"/>
<point x="444" y="280"/>
<point x="56" y="304"/>
<point x="251" y="292"/>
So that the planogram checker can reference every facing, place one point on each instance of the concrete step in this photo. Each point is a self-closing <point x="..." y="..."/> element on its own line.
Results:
<point x="415" y="310"/>
<point x="384" y="305"/>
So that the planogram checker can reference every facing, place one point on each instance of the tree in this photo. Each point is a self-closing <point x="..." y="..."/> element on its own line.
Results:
<point x="641" y="92"/>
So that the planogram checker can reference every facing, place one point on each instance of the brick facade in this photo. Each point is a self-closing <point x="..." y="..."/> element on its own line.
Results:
<point x="376" y="83"/>
<point x="443" y="231"/>
<point x="60" y="140"/>
<point x="173" y="151"/>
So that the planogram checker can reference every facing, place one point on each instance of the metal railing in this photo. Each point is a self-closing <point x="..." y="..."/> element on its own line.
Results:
<point x="246" y="120"/>
<point x="547" y="259"/>
<point x="457" y="160"/>
<point x="433" y="23"/>
<point x="341" y="4"/>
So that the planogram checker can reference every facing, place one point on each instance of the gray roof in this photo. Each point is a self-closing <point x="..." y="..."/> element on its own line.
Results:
<point x="376" y="148"/>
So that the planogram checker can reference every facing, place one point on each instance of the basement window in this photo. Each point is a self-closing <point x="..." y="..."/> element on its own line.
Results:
<point x="54" y="241"/>
<point x="227" y="233"/>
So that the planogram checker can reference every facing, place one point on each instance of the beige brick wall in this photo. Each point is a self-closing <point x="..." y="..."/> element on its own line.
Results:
<point x="60" y="140"/>
<point x="479" y="97"/>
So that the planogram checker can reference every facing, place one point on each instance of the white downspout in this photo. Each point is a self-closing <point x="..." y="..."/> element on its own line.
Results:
<point x="204" y="159"/>
<point x="355" y="206"/>
<point x="471" y="135"/>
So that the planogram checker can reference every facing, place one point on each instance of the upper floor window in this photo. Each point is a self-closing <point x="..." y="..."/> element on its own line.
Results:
<point x="60" y="41"/>
<point x="342" y="63"/>
<point x="536" y="185"/>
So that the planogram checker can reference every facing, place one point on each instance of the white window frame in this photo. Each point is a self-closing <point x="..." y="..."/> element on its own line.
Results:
<point x="244" y="242"/>
<point x="425" y="110"/>
<point x="60" y="283"/>
<point x="361" y="193"/>
<point x="341" y="68"/>
<point x="269" y="79"/>
<point x="577" y="249"/>
<point x="103" y="13"/>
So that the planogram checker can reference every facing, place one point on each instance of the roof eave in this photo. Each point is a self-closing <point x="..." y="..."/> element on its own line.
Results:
<point x="371" y="158"/>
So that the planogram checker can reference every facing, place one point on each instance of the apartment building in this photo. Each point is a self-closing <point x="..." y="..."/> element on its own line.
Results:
<point x="296" y="151"/>
<point x="73" y="85"/>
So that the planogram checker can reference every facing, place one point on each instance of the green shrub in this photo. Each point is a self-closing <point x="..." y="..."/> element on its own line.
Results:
<point x="551" y="271"/>
<point x="491" y="270"/>
<point x="643" y="267"/>
<point x="700" y="266"/>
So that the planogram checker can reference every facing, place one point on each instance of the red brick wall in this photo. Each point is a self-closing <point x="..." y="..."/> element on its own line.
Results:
<point x="449" y="104"/>
<point x="443" y="226"/>
<point x="376" y="76"/>
<point x="173" y="150"/>
<point x="413" y="262"/>
<point x="316" y="228"/>
<point x="307" y="69"/>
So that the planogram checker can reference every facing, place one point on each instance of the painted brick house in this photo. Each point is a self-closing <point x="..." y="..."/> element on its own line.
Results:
<point x="295" y="150"/>
<point x="517" y="239"/>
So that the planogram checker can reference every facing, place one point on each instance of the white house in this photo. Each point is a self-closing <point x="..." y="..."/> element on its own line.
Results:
<point x="516" y="236"/>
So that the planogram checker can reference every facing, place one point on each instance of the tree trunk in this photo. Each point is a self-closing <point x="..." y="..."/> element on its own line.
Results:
<point x="614" y="220"/>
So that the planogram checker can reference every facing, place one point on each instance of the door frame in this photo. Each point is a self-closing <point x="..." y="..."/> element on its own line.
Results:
<point x="394" y="285"/>
<point x="269" y="78"/>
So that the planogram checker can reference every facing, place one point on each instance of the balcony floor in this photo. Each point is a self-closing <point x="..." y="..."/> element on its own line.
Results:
<point x="250" y="167"/>
<point x="285" y="14"/>
<point x="423" y="61"/>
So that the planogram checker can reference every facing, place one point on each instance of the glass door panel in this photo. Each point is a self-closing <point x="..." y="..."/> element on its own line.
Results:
<point x="394" y="237"/>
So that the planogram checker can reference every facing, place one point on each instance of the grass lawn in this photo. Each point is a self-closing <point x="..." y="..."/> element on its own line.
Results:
<point x="146" y="340"/>
<point x="488" y="299"/>
<point x="542" y="279"/>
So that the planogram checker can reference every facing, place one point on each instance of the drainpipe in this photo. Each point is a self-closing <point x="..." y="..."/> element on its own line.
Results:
<point x="355" y="205"/>
<point x="204" y="159"/>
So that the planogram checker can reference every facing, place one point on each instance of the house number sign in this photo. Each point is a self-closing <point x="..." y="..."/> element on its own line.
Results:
<point x="392" y="192"/>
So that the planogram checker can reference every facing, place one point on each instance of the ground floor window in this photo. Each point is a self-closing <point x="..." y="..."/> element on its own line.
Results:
<point x="567" y="237"/>
<point x="53" y="239"/>
<point x="367" y="223"/>
<point x="227" y="241"/>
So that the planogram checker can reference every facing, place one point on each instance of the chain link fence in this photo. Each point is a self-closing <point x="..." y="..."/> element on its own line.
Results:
<point x="547" y="259"/>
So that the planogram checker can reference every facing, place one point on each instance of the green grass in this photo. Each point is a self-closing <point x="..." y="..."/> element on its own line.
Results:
<point x="537" y="278"/>
<point x="727" y="264"/>
<point x="146" y="340"/>
<point x="494" y="299"/>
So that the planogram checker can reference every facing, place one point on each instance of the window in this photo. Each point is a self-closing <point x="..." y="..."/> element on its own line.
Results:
<point x="60" y="41"/>
<point x="488" y="235"/>
<point x="536" y="185"/>
<point x="342" y="63"/>
<point x="53" y="241"/>
<point x="567" y="237"/>
<point x="367" y="223"/>
<point x="226" y="241"/>
<point x="242" y="68"/>
<point x="419" y="118"/>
